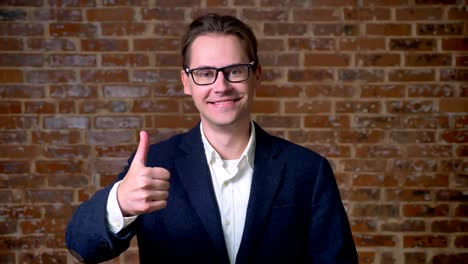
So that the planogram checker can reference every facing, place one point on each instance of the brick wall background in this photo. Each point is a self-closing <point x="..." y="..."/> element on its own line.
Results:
<point x="377" y="86"/>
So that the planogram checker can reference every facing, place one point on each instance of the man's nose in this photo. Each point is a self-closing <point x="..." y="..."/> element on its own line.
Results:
<point x="222" y="84"/>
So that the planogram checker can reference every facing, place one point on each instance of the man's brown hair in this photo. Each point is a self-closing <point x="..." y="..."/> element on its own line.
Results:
<point x="214" y="23"/>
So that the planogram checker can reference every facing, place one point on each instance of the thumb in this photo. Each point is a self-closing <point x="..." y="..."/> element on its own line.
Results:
<point x="142" y="151"/>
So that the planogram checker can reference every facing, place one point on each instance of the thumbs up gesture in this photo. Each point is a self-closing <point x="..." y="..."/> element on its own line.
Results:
<point x="143" y="189"/>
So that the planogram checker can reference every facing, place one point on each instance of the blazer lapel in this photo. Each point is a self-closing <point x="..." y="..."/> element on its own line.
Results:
<point x="268" y="171"/>
<point x="195" y="176"/>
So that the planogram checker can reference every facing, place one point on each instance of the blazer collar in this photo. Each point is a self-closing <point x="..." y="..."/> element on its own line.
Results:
<point x="195" y="176"/>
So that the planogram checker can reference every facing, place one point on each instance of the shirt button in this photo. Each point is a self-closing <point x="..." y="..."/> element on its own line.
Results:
<point x="226" y="222"/>
<point x="225" y="184"/>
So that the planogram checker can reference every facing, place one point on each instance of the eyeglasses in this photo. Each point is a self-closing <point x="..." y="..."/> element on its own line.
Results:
<point x="233" y="73"/>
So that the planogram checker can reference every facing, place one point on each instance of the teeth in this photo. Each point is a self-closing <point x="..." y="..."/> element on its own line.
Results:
<point x="229" y="101"/>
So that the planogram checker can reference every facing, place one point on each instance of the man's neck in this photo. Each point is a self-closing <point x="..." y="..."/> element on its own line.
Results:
<point x="229" y="142"/>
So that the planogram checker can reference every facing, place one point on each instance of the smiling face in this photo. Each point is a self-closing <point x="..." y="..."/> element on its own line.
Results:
<point x="221" y="104"/>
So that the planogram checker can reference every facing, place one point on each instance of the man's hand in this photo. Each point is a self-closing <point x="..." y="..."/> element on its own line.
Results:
<point x="143" y="189"/>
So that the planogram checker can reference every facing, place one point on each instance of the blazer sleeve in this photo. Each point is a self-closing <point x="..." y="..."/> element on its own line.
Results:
<point x="87" y="236"/>
<point x="330" y="237"/>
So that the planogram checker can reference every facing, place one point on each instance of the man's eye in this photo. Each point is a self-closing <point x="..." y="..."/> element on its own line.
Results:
<point x="204" y="73"/>
<point x="235" y="71"/>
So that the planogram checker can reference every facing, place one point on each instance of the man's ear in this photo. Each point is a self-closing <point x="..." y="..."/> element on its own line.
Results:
<point x="185" y="82"/>
<point x="258" y="72"/>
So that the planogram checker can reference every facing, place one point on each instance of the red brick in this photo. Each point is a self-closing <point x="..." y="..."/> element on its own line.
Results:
<point x="455" y="44"/>
<point x="118" y="151"/>
<point x="264" y="106"/>
<point x="359" y="136"/>
<point x="66" y="122"/>
<point x="265" y="14"/>
<point x="55" y="137"/>
<point x="336" y="29"/>
<point x="10" y="44"/>
<point x="162" y="13"/>
<point x="110" y="137"/>
<point x="450" y="195"/>
<point x="377" y="59"/>
<point x="125" y="60"/>
<point x="362" y="14"/>
<point x="371" y="240"/>
<point x="13" y="137"/>
<point x="21" y="60"/>
<point x="357" y="107"/>
<point x="170" y="29"/>
<point x="19" y="152"/>
<point x="421" y="180"/>
<point x="461" y="242"/>
<point x="21" y="29"/>
<point x="450" y="258"/>
<point x="270" y="44"/>
<point x="110" y="166"/>
<point x="363" y="225"/>
<point x="50" y="76"/>
<point x="363" y="165"/>
<point x="68" y="3"/>
<point x="309" y="75"/>
<point x="73" y="91"/>
<point x="104" y="76"/>
<point x="374" y="180"/>
<point x="449" y="226"/>
<point x="431" y="90"/>
<point x="415" y="258"/>
<point x="272" y="90"/>
<point x="405" y="137"/>
<point x="453" y="75"/>
<point x="405" y="226"/>
<point x="331" y="150"/>
<point x="275" y="59"/>
<point x="365" y="75"/>
<point x="307" y="107"/>
<point x="362" y="195"/>
<point x="383" y="151"/>
<point x="282" y="29"/>
<point x="412" y="44"/>
<point x="278" y="121"/>
<point x="72" y="60"/>
<point x="457" y="13"/>
<point x="104" y="45"/>
<point x="110" y="14"/>
<point x="82" y="30"/>
<point x="20" y="243"/>
<point x="408" y="195"/>
<point x="419" y="13"/>
<point x="18" y="122"/>
<point x="382" y="91"/>
<point x="316" y="14"/>
<point x="388" y="29"/>
<point x="46" y="257"/>
<point x="57" y="15"/>
<point x="197" y="12"/>
<point x="424" y="241"/>
<point x="150" y="76"/>
<point x="307" y="44"/>
<point x="366" y="257"/>
<point x="48" y="196"/>
<point x="452" y="29"/>
<point x="10" y="107"/>
<point x="41" y="44"/>
<point x="162" y="44"/>
<point x="103" y="122"/>
<point x="11" y="76"/>
<point x="322" y="59"/>
<point x="66" y="152"/>
<point x="50" y="167"/>
<point x="103" y="106"/>
<point x="170" y="59"/>
<point x="362" y="44"/>
<point x="453" y="105"/>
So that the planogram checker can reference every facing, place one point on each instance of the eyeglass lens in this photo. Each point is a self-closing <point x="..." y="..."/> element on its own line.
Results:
<point x="234" y="73"/>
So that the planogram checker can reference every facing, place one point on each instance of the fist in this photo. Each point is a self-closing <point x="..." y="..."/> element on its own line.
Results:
<point x="143" y="189"/>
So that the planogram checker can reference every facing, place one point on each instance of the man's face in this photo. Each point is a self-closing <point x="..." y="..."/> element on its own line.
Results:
<point x="222" y="103"/>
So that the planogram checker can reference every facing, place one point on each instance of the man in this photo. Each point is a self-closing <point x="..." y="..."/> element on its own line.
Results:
<point x="225" y="191"/>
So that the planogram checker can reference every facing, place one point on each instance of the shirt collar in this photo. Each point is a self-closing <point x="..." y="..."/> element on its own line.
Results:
<point x="249" y="151"/>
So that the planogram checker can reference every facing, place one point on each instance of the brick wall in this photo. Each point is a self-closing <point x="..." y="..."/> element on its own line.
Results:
<point x="378" y="86"/>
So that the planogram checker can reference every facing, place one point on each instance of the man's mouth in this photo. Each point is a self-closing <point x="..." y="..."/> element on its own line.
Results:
<point x="227" y="101"/>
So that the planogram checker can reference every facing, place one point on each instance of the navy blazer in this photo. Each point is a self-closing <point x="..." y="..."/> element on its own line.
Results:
<point x="294" y="215"/>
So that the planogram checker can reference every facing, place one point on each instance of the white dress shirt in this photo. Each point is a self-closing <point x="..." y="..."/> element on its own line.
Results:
<point x="231" y="182"/>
